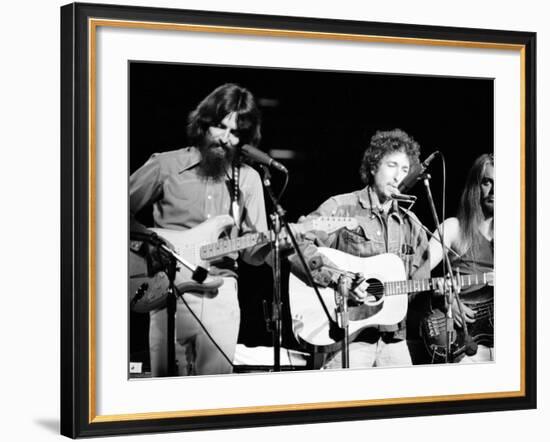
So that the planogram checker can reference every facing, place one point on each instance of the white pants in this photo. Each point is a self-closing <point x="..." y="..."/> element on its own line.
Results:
<point x="195" y="352"/>
<point x="378" y="354"/>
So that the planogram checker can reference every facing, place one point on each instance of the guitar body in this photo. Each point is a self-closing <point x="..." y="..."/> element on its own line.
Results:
<point x="309" y="322"/>
<point x="433" y="328"/>
<point x="148" y="293"/>
<point x="200" y="246"/>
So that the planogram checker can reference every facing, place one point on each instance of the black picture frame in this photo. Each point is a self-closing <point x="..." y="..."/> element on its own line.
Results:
<point x="78" y="416"/>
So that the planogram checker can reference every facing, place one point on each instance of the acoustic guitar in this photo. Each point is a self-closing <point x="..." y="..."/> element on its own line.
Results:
<point x="386" y="302"/>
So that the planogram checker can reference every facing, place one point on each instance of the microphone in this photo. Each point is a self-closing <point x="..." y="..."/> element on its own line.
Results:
<point x="262" y="158"/>
<point x="414" y="174"/>
<point x="199" y="273"/>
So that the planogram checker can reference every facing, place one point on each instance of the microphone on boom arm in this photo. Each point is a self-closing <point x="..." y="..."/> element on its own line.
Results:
<point x="261" y="157"/>
<point x="415" y="173"/>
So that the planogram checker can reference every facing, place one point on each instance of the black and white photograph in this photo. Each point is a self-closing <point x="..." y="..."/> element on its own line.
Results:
<point x="366" y="170"/>
<point x="218" y="220"/>
<point x="276" y="221"/>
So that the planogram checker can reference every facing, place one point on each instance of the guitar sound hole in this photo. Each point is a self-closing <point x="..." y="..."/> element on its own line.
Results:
<point x="375" y="290"/>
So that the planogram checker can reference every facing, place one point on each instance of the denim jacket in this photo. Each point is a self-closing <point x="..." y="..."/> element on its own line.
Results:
<point x="396" y="231"/>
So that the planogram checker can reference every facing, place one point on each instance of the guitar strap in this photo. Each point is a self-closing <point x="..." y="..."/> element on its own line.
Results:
<point x="399" y="211"/>
<point x="235" y="193"/>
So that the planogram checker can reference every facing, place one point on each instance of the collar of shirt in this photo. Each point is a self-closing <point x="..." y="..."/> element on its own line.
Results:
<point x="369" y="200"/>
<point x="193" y="158"/>
<point x="190" y="160"/>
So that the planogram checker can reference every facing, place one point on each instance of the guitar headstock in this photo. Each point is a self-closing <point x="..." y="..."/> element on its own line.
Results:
<point x="330" y="224"/>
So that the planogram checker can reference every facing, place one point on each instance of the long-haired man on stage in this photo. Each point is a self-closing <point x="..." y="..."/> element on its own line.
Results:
<point x="470" y="236"/>
<point x="186" y="187"/>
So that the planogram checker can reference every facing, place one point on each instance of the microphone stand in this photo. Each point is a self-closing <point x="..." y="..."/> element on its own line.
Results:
<point x="199" y="275"/>
<point x="275" y="322"/>
<point x="277" y="304"/>
<point x="450" y="296"/>
<point x="171" y="307"/>
<point x="342" y="315"/>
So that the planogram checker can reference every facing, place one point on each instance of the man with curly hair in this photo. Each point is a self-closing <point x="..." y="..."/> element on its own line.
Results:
<point x="383" y="227"/>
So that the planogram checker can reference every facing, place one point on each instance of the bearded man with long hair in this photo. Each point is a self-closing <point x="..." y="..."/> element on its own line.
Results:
<point x="470" y="237"/>
<point x="186" y="187"/>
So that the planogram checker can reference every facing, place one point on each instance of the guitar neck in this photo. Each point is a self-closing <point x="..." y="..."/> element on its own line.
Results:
<point x="226" y="246"/>
<point x="421" y="285"/>
<point x="474" y="279"/>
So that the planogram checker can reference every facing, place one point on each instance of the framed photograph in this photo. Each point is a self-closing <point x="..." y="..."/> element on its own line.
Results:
<point x="190" y="138"/>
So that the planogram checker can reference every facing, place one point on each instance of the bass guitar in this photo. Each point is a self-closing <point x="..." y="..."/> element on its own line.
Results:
<point x="201" y="247"/>
<point x="386" y="302"/>
<point x="433" y="327"/>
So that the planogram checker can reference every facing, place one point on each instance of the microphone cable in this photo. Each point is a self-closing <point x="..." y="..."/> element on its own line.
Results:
<point x="206" y="332"/>
<point x="443" y="210"/>
<point x="469" y="344"/>
<point x="285" y="184"/>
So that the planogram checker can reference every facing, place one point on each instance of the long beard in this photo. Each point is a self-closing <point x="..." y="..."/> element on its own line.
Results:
<point x="215" y="160"/>
<point x="488" y="211"/>
<point x="487" y="208"/>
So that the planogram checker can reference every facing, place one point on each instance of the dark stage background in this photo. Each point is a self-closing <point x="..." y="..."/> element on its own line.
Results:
<point x="326" y="119"/>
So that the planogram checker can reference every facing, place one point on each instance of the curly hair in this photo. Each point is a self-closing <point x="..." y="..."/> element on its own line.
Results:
<point x="383" y="143"/>
<point x="220" y="102"/>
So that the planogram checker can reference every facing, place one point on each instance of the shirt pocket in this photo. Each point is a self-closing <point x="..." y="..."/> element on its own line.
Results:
<point x="183" y="191"/>
<point x="362" y="241"/>
<point x="400" y="245"/>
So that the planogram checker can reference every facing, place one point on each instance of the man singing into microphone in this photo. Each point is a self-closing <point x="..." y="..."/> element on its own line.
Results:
<point x="383" y="228"/>
<point x="186" y="187"/>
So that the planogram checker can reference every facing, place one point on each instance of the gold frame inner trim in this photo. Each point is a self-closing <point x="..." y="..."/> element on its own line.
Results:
<point x="297" y="407"/>
<point x="93" y="24"/>
<point x="299" y="34"/>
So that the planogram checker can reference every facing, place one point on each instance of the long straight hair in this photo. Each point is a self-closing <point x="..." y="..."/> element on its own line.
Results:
<point x="470" y="213"/>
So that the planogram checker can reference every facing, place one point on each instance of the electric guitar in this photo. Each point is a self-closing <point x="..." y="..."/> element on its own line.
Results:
<point x="386" y="302"/>
<point x="201" y="246"/>
<point x="434" y="331"/>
